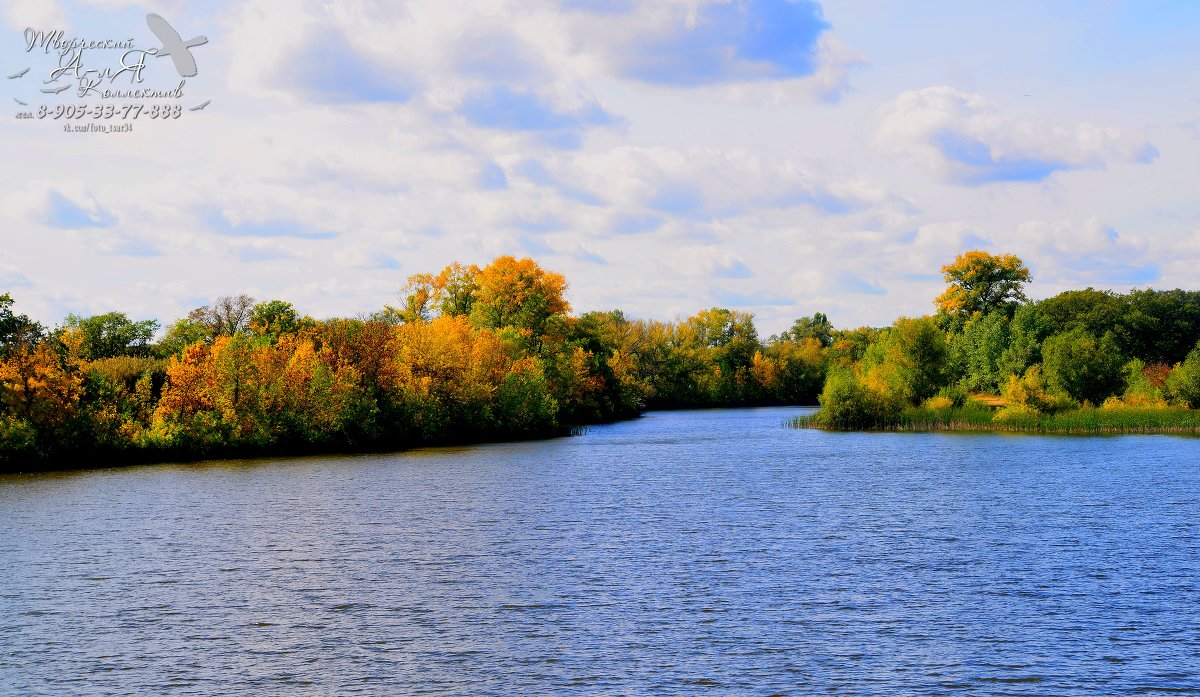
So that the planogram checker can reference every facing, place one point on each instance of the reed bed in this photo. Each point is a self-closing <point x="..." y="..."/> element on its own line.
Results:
<point x="1173" y="420"/>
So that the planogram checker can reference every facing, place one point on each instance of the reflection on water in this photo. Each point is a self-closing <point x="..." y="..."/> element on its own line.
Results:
<point x="685" y="552"/>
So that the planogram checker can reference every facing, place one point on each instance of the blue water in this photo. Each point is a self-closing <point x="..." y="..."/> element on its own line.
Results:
<point x="683" y="553"/>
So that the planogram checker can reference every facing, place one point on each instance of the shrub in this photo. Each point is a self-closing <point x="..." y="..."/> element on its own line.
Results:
<point x="1078" y="364"/>
<point x="1183" y="384"/>
<point x="847" y="403"/>
<point x="1140" y="392"/>
<point x="1016" y="414"/>
<point x="18" y="439"/>
<point x="1031" y="392"/>
<point x="939" y="403"/>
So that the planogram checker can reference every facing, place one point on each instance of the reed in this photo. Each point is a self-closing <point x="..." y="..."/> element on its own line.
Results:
<point x="1177" y="420"/>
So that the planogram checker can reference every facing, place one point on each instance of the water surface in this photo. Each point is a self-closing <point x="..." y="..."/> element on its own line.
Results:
<point x="684" y="552"/>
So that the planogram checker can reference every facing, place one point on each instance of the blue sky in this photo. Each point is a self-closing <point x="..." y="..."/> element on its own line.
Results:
<point x="781" y="157"/>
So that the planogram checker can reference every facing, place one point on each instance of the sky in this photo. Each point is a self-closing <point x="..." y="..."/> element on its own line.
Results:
<point x="779" y="157"/>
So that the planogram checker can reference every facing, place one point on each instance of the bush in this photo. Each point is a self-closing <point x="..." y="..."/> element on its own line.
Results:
<point x="1140" y="392"/>
<point x="848" y="404"/>
<point x="1183" y="384"/>
<point x="1032" y="394"/>
<point x="18" y="440"/>
<point x="957" y="395"/>
<point x="939" y="403"/>
<point x="1085" y="368"/>
<point x="1017" y="415"/>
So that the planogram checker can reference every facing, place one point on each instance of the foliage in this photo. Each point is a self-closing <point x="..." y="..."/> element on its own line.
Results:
<point x="908" y="362"/>
<point x="517" y="293"/>
<point x="1183" y="384"/>
<point x="849" y="403"/>
<point x="982" y="283"/>
<point x="1033" y="393"/>
<point x="980" y="348"/>
<point x="275" y="318"/>
<point x="113" y="334"/>
<point x="816" y="327"/>
<point x="493" y="352"/>
<point x="16" y="331"/>
<point x="1144" y="387"/>
<point x="1084" y="367"/>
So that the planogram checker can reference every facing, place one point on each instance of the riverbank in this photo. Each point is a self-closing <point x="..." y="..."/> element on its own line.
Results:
<point x="1084" y="421"/>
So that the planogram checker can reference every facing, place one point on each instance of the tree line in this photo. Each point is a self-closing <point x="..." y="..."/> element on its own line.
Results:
<point x="469" y="353"/>
<point x="1080" y="349"/>
<point x="488" y="353"/>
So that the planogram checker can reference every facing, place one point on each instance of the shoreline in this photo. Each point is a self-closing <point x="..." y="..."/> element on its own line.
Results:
<point x="1075" y="422"/>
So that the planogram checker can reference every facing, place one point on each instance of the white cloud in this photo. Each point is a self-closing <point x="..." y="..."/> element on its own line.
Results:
<point x="968" y="140"/>
<point x="42" y="15"/>
<point x="1068" y="253"/>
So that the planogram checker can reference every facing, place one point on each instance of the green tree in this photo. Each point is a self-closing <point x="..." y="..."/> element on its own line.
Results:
<point x="1027" y="330"/>
<point x="980" y="347"/>
<point x="275" y="318"/>
<point x="180" y="335"/>
<point x="16" y="331"/>
<point x="113" y="334"/>
<point x="909" y="360"/>
<point x="816" y="327"/>
<point x="1082" y="366"/>
<point x="849" y="403"/>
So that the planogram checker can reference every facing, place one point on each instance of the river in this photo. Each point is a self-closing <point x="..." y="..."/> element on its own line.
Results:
<point x="681" y="553"/>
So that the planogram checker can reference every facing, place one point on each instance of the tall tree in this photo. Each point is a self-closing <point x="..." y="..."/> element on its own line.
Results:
<point x="227" y="316"/>
<point x="816" y="327"/>
<point x="981" y="283"/>
<point x="518" y="293"/>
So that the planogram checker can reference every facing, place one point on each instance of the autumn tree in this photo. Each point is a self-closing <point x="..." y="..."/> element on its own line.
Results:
<point x="518" y="293"/>
<point x="451" y="293"/>
<point x="456" y="287"/>
<point x="981" y="283"/>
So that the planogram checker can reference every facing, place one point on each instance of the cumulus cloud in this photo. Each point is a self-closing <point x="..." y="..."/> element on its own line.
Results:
<point x="693" y="44"/>
<point x="968" y="140"/>
<point x="705" y="44"/>
<point x="220" y="223"/>
<point x="1088" y="252"/>
<point x="709" y="262"/>
<point x="39" y="14"/>
<point x="650" y="183"/>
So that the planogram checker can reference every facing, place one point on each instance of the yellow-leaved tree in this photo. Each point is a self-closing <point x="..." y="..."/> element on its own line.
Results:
<point x="982" y="283"/>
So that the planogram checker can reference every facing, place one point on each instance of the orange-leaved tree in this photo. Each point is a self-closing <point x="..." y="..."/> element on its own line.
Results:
<point x="518" y="293"/>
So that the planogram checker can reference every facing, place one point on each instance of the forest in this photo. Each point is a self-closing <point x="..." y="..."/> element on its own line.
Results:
<point x="493" y="353"/>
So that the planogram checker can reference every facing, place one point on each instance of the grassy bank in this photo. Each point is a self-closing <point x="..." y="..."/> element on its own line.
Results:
<point x="1175" y="420"/>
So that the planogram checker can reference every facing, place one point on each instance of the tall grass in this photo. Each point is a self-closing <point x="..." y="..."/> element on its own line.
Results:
<point x="1076" y="421"/>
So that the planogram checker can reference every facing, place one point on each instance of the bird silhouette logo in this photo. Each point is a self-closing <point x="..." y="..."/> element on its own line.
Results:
<point x="179" y="50"/>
